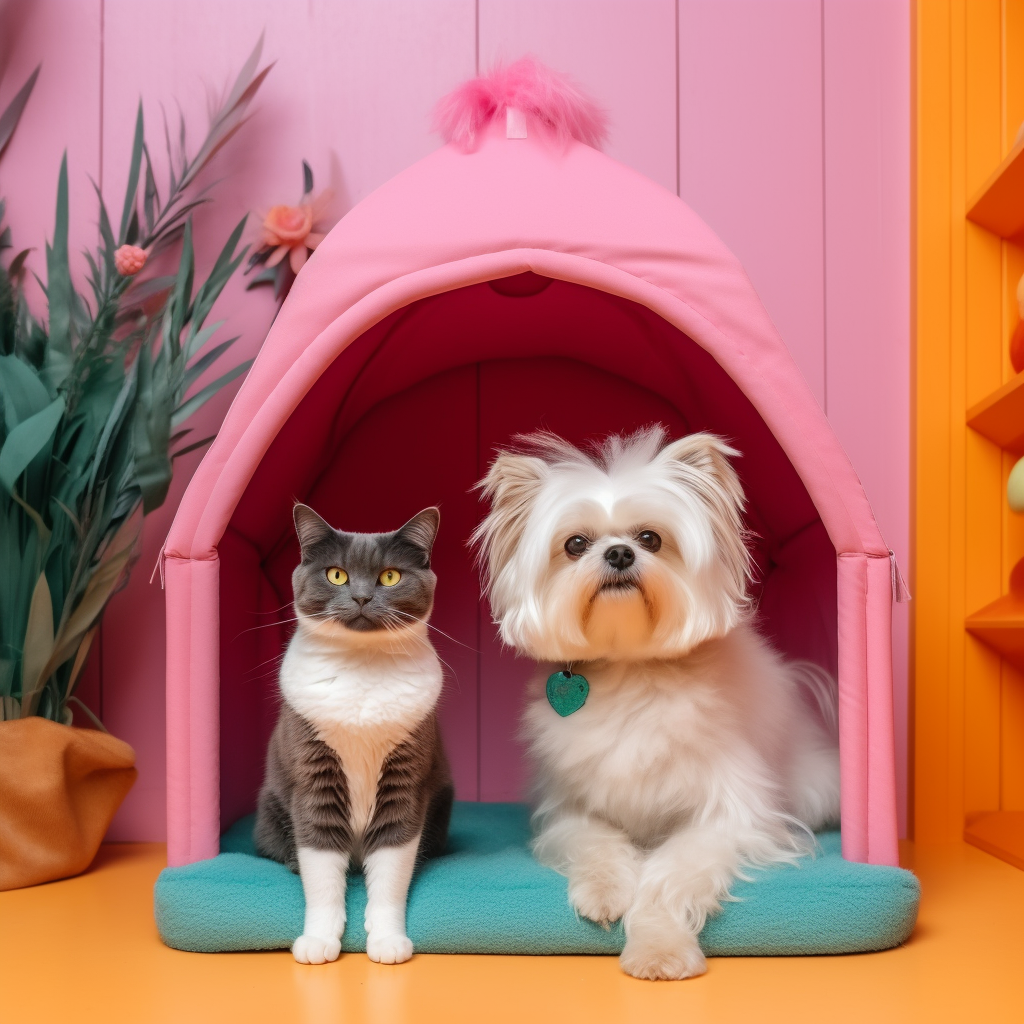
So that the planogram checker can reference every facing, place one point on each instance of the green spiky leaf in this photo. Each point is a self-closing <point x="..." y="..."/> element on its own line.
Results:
<point x="59" y="292"/>
<point x="27" y="440"/>
<point x="92" y="399"/>
<point x="131" y="193"/>
<point x="200" y="398"/>
<point x="13" y="111"/>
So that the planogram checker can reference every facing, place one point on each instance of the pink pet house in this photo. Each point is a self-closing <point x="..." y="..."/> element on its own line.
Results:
<point x="524" y="282"/>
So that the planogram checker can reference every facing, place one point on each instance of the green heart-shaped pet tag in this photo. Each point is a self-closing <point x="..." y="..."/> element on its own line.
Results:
<point x="567" y="692"/>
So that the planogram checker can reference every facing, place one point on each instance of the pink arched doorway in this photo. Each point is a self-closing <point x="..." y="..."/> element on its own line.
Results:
<point x="407" y="349"/>
<point x="410" y="415"/>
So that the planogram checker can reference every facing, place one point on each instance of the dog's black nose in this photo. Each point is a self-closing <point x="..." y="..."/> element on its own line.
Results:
<point x="620" y="557"/>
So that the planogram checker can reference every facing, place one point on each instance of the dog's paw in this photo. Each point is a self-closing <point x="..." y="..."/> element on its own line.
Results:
<point x="602" y="897"/>
<point x="654" y="960"/>
<point x="393" y="948"/>
<point x="314" y="949"/>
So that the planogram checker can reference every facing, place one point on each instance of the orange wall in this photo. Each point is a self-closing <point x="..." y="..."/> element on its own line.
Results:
<point x="968" y="705"/>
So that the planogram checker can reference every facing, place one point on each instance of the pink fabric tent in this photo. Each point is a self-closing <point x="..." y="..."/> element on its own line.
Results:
<point x="528" y="283"/>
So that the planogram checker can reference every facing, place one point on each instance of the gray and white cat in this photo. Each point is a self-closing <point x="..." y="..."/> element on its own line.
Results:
<point x="356" y="771"/>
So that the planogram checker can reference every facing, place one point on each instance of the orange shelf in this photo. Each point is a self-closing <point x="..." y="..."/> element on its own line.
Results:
<point x="1000" y="833"/>
<point x="999" y="203"/>
<point x="1000" y="416"/>
<point x="1001" y="626"/>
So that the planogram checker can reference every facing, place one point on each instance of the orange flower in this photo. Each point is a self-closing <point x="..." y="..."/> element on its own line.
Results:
<point x="289" y="229"/>
<point x="287" y="224"/>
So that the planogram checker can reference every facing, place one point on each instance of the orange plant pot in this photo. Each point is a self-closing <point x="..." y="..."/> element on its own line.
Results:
<point x="59" y="789"/>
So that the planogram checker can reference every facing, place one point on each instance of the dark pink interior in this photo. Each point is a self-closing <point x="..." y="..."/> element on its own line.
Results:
<point x="410" y="415"/>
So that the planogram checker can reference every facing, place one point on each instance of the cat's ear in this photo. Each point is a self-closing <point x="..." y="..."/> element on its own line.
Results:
<point x="421" y="530"/>
<point x="309" y="526"/>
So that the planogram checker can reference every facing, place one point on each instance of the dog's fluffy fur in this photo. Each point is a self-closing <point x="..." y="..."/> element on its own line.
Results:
<point x="698" y="751"/>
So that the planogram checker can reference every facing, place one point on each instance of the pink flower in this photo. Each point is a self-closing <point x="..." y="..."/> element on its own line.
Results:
<point x="129" y="260"/>
<point x="288" y="224"/>
<point x="289" y="230"/>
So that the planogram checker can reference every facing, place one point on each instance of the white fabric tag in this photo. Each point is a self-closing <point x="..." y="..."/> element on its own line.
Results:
<point x="515" y="123"/>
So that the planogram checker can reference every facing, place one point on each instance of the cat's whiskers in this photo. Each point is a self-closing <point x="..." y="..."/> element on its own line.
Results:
<point x="267" y="625"/>
<point x="274" y="611"/>
<point x="426" y="640"/>
<point x="284" y="622"/>
<point x="277" y="658"/>
<point x="402" y="630"/>
<point x="441" y="631"/>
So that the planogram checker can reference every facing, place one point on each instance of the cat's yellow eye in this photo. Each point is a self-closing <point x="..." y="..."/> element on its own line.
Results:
<point x="389" y="577"/>
<point x="337" y="576"/>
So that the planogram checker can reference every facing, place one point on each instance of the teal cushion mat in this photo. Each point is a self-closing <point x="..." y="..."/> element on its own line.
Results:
<point x="488" y="895"/>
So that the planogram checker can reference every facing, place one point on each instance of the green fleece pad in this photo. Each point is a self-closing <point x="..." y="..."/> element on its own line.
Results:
<point x="488" y="895"/>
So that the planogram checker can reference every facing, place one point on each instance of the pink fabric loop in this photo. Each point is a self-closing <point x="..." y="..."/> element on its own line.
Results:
<point x="193" y="710"/>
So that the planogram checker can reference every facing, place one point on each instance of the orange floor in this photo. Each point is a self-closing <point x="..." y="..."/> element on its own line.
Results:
<point x="86" y="950"/>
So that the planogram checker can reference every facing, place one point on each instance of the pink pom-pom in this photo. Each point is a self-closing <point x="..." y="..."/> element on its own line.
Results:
<point x="129" y="260"/>
<point x="527" y="85"/>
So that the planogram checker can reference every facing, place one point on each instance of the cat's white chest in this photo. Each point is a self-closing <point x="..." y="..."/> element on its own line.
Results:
<point x="363" y="703"/>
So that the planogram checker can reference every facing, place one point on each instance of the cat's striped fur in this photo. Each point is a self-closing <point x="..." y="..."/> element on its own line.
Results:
<point x="356" y="771"/>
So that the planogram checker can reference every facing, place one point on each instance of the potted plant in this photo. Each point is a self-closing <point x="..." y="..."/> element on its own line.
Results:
<point x="93" y="405"/>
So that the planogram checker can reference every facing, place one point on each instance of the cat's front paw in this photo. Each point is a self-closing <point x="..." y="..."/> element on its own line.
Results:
<point x="393" y="948"/>
<point x="314" y="949"/>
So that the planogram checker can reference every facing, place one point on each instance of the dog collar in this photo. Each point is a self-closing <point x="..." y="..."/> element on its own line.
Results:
<point x="567" y="691"/>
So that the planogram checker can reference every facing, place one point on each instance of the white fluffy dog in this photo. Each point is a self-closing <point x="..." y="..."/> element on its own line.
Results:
<point x="697" y="750"/>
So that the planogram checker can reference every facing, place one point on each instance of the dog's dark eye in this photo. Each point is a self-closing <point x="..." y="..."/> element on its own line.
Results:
<point x="649" y="540"/>
<point x="575" y="546"/>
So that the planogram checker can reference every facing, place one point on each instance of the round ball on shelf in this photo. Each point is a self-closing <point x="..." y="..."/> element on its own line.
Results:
<point x="1015" y="487"/>
<point x="1017" y="347"/>
<point x="1017" y="341"/>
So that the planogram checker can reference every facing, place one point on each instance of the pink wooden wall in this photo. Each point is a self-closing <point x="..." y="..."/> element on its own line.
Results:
<point x="784" y="123"/>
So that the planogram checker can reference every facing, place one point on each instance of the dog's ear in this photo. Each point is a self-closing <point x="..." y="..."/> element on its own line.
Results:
<point x="702" y="462"/>
<point x="512" y="484"/>
<point x="513" y="479"/>
<point x="708" y="455"/>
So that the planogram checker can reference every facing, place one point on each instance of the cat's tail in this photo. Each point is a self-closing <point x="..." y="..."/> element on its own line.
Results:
<point x="822" y="690"/>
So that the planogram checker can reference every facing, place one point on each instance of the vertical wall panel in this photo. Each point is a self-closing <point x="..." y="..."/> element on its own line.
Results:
<point x="939" y="606"/>
<point x="63" y="114"/>
<point x="621" y="51"/>
<point x="817" y="215"/>
<point x="968" y="704"/>
<point x="750" y="157"/>
<point x="867" y="274"/>
<point x="351" y="92"/>
<point x="982" y="502"/>
<point x="60" y="117"/>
